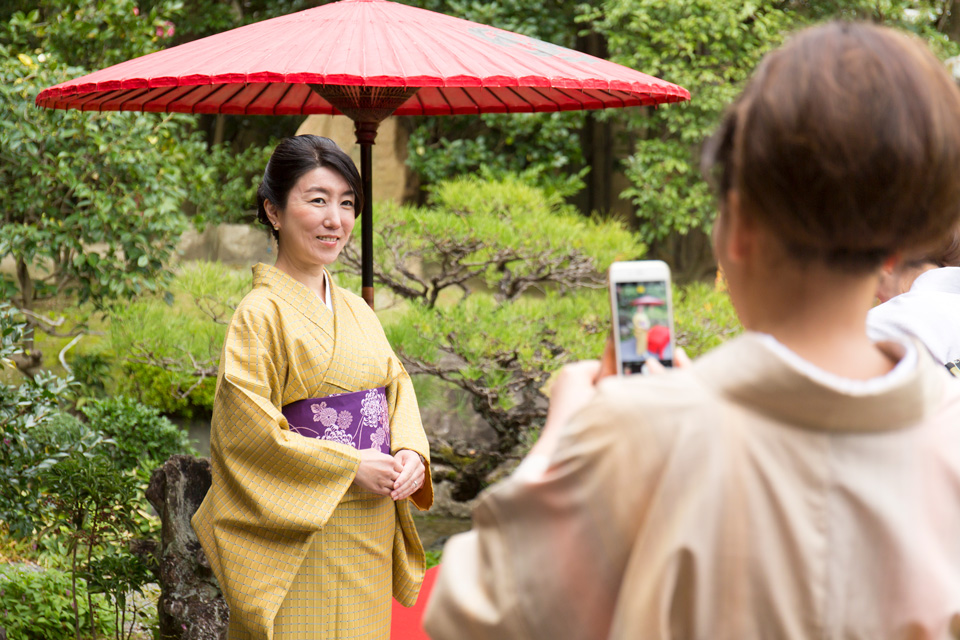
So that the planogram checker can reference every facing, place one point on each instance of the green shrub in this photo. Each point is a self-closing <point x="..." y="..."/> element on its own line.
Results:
<point x="92" y="504"/>
<point x="38" y="605"/>
<point x="141" y="436"/>
<point x="174" y="393"/>
<point x="60" y="432"/>
<point x="704" y="318"/>
<point x="92" y="373"/>
<point x="30" y="439"/>
<point x="168" y="346"/>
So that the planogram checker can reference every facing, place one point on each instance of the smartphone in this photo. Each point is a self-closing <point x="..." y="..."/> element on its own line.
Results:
<point x="642" y="310"/>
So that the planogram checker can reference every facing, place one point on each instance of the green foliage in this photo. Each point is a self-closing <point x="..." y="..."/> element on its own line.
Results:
<point x="174" y="392"/>
<point x="99" y="34"/>
<point x="223" y="187"/>
<point x="505" y="284"/>
<point x="711" y="47"/>
<point x="542" y="147"/>
<point x="169" y="346"/>
<point x="506" y="237"/>
<point x="707" y="46"/>
<point x="119" y="574"/>
<point x="37" y="605"/>
<point x="704" y="317"/>
<point x="503" y="353"/>
<point x="545" y="147"/>
<point x="91" y="371"/>
<point x="32" y="441"/>
<point x="80" y="489"/>
<point x="143" y="438"/>
<point x="91" y="499"/>
<point x="93" y="200"/>
<point x="12" y="333"/>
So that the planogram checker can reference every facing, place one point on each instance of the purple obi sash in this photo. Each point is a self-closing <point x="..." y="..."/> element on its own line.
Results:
<point x="358" y="419"/>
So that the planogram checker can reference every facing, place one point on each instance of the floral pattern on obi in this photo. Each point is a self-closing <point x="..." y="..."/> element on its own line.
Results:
<point x="359" y="419"/>
<point x="373" y="411"/>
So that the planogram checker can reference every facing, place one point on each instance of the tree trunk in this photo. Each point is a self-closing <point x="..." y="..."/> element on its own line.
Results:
<point x="30" y="360"/>
<point x="219" y="129"/>
<point x="26" y="285"/>
<point x="949" y="23"/>
<point x="191" y="606"/>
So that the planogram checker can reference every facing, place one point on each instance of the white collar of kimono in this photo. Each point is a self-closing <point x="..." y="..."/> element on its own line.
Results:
<point x="903" y="348"/>
<point x="763" y="376"/>
<point x="326" y="288"/>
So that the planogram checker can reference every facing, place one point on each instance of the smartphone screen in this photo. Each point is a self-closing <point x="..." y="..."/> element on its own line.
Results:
<point x="643" y="323"/>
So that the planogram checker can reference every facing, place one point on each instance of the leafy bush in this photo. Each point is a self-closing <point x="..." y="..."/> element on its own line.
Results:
<point x="28" y="442"/>
<point x="95" y="197"/>
<point x="545" y="148"/>
<point x="168" y="347"/>
<point x="504" y="237"/>
<point x="141" y="436"/>
<point x="91" y="503"/>
<point x="704" y="317"/>
<point x="92" y="372"/>
<point x="38" y="605"/>
<point x="174" y="392"/>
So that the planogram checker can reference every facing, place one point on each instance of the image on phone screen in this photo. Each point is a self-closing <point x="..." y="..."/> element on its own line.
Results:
<point x="644" y="324"/>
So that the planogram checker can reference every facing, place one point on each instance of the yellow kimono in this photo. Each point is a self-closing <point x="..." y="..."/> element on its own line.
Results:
<point x="298" y="549"/>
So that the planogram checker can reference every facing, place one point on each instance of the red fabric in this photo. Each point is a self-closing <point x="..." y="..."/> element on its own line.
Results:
<point x="407" y="623"/>
<point x="267" y="67"/>
<point x="658" y="337"/>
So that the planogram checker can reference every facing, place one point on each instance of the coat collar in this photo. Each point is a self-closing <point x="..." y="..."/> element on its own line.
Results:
<point x="942" y="280"/>
<point x="750" y="373"/>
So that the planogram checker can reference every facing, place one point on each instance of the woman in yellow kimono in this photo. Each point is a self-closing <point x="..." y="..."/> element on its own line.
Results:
<point x="310" y="536"/>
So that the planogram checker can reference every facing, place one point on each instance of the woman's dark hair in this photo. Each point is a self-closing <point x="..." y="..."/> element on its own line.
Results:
<point x="845" y="144"/>
<point x="295" y="157"/>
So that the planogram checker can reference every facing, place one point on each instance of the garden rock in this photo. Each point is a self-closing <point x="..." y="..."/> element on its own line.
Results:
<point x="233" y="244"/>
<point x="191" y="605"/>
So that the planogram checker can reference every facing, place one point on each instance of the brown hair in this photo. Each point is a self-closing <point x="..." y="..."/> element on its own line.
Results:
<point x="944" y="254"/>
<point x="846" y="145"/>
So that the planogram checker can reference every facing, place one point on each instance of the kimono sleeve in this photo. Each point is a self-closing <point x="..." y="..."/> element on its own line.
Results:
<point x="272" y="488"/>
<point x="406" y="429"/>
<point x="546" y="554"/>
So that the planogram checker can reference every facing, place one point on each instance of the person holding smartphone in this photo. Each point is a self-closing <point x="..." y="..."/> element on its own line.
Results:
<point x="800" y="481"/>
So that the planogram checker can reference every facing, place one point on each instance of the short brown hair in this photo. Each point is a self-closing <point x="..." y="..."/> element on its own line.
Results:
<point x="946" y="253"/>
<point x="846" y="145"/>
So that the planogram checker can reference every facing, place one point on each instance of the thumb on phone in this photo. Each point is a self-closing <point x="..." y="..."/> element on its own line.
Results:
<point x="608" y="361"/>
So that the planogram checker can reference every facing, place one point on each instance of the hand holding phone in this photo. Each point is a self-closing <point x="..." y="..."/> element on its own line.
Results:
<point x="642" y="309"/>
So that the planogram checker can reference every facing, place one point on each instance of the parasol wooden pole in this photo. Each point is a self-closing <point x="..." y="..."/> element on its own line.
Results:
<point x="366" y="134"/>
<point x="367" y="107"/>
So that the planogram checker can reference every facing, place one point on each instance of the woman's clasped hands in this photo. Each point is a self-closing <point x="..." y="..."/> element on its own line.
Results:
<point x="398" y="476"/>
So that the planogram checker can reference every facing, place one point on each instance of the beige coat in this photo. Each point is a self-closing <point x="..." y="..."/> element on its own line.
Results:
<point x="739" y="498"/>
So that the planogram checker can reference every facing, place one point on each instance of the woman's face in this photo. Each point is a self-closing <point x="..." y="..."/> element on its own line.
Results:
<point x="317" y="220"/>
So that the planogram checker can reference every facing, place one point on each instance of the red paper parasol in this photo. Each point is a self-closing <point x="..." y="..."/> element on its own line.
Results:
<point x="366" y="59"/>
